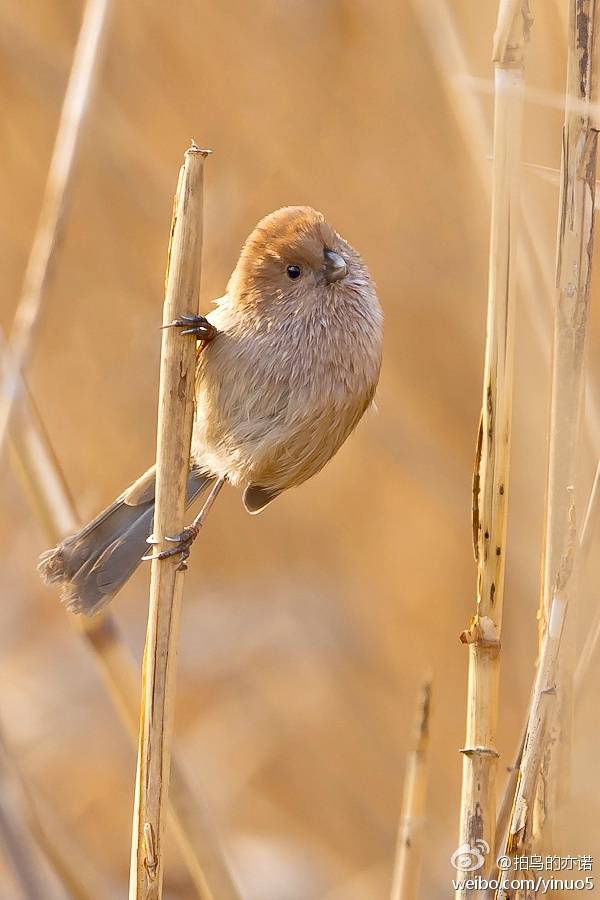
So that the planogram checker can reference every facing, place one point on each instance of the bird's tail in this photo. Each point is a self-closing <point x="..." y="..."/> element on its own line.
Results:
<point x="92" y="565"/>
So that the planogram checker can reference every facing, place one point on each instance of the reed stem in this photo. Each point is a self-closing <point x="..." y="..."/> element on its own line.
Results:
<point x="175" y="415"/>
<point x="490" y="490"/>
<point x="574" y="256"/>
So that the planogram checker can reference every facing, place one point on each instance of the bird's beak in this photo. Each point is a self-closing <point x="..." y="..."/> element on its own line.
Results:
<point x="335" y="266"/>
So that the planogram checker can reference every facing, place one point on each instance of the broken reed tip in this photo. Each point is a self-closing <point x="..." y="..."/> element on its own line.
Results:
<point x="194" y="148"/>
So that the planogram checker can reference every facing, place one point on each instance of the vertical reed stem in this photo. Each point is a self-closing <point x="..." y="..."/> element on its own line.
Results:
<point x="175" y="414"/>
<point x="574" y="257"/>
<point x="52" y="214"/>
<point x="490" y="493"/>
<point x="409" y="851"/>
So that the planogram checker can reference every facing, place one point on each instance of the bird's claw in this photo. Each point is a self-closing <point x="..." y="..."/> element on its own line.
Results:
<point x="196" y="325"/>
<point x="187" y="536"/>
<point x="183" y="540"/>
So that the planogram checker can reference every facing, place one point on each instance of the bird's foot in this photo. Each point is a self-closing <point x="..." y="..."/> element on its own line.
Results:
<point x="196" y="325"/>
<point x="186" y="538"/>
<point x="183" y="542"/>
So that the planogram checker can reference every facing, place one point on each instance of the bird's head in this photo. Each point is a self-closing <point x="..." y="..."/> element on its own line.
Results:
<point x="292" y="253"/>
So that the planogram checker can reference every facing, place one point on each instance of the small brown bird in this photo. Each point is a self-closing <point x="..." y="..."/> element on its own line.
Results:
<point x="291" y="365"/>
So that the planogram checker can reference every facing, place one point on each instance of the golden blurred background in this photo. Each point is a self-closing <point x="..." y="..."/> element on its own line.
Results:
<point x="307" y="631"/>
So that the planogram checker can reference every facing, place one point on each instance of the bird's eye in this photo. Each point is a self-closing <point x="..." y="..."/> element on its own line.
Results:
<point x="294" y="272"/>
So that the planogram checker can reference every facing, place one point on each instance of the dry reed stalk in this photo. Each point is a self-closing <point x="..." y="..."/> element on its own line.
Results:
<point x="490" y="490"/>
<point x="52" y="214"/>
<point x="175" y="415"/>
<point x="43" y="481"/>
<point x="409" y="850"/>
<point x="562" y="455"/>
<point x="584" y="657"/>
<point x="503" y="817"/>
<point x="187" y="816"/>
<point x="440" y="30"/>
<point x="574" y="256"/>
<point x="583" y="663"/>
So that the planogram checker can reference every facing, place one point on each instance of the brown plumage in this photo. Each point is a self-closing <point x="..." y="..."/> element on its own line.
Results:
<point x="291" y="371"/>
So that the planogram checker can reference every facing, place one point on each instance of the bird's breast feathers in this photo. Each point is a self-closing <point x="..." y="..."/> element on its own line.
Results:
<point x="277" y="396"/>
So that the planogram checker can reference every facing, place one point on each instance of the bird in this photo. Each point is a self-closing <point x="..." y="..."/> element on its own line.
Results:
<point x="290" y="361"/>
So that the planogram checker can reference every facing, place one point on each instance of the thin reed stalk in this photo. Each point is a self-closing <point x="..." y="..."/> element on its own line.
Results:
<point x="44" y="483"/>
<point x="574" y="257"/>
<point x="583" y="663"/>
<point x="49" y="228"/>
<point x="535" y="263"/>
<point x="508" y="796"/>
<point x="188" y="817"/>
<point x="175" y="415"/>
<point x="411" y="833"/>
<point x="584" y="660"/>
<point x="490" y="492"/>
<point x="563" y="461"/>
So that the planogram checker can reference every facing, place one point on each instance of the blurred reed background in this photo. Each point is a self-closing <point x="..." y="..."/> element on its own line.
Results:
<point x="307" y="631"/>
